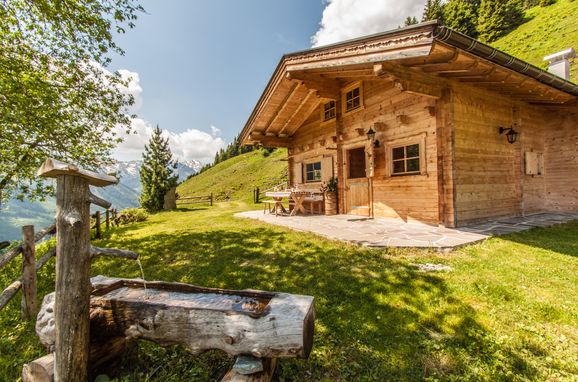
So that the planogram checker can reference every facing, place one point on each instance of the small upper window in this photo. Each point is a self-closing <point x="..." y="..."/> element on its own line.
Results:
<point x="329" y="110"/>
<point x="313" y="172"/>
<point x="405" y="160"/>
<point x="352" y="99"/>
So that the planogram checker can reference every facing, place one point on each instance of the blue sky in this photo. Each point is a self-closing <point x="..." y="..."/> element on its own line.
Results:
<point x="198" y="67"/>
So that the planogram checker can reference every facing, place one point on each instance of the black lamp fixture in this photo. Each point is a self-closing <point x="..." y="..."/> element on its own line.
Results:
<point x="371" y="136"/>
<point x="511" y="134"/>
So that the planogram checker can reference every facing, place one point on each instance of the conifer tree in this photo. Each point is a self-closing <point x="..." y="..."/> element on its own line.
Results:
<point x="157" y="174"/>
<point x="410" y="21"/>
<point x="461" y="15"/>
<point x="434" y="10"/>
<point x="498" y="17"/>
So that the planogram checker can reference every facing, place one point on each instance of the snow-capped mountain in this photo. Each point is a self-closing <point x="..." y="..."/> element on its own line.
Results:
<point x="128" y="171"/>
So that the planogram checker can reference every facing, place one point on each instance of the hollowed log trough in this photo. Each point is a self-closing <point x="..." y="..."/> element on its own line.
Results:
<point x="238" y="322"/>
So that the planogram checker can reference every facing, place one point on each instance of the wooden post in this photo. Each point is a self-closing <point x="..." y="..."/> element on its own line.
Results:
<point x="211" y="200"/>
<point x="72" y="295"/>
<point x="107" y="224"/>
<point x="28" y="273"/>
<point x="257" y="195"/>
<point x="97" y="216"/>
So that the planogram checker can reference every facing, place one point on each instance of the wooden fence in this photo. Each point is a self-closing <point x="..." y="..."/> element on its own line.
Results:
<point x="29" y="268"/>
<point x="195" y="199"/>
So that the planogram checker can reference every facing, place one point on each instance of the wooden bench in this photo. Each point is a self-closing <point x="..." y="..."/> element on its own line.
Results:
<point x="315" y="203"/>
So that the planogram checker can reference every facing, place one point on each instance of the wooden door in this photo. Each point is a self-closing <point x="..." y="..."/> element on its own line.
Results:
<point x="356" y="183"/>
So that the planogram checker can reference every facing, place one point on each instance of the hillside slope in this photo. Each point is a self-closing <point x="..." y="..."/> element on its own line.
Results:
<point x="236" y="177"/>
<point x="548" y="30"/>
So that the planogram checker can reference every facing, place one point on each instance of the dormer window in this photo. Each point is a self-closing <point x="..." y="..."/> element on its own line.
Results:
<point x="329" y="111"/>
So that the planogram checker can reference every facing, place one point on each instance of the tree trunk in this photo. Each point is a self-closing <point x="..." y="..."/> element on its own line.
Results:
<point x="72" y="297"/>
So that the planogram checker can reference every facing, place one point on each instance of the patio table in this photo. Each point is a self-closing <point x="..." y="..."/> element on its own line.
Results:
<point x="278" y="197"/>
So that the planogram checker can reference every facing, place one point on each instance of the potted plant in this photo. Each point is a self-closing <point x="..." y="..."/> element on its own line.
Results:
<point x="329" y="190"/>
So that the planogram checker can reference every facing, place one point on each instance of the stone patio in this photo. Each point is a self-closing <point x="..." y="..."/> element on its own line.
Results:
<point x="380" y="232"/>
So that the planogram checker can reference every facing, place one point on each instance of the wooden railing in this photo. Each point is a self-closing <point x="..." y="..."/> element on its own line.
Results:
<point x="195" y="199"/>
<point x="110" y="217"/>
<point x="27" y="282"/>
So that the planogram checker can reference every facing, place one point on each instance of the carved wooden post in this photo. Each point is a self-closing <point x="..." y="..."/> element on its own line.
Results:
<point x="28" y="273"/>
<point x="72" y="297"/>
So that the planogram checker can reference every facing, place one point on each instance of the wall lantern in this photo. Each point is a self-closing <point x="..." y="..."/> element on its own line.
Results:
<point x="511" y="134"/>
<point x="371" y="136"/>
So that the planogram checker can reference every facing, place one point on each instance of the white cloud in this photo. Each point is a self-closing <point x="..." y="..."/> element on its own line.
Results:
<point x="215" y="132"/>
<point x="187" y="145"/>
<point x="346" y="19"/>
<point x="133" y="87"/>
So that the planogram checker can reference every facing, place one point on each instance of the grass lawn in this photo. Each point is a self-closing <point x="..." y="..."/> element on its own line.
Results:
<point x="508" y="311"/>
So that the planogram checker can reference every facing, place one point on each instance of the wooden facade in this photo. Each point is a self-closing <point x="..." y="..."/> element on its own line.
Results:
<point x="436" y="100"/>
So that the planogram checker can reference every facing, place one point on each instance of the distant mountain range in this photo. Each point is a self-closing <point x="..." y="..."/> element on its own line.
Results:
<point x="125" y="194"/>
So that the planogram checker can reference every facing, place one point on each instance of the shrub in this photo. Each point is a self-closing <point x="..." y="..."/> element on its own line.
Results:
<point x="132" y="215"/>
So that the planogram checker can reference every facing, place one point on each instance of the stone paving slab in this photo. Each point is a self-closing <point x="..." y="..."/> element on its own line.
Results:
<point x="382" y="232"/>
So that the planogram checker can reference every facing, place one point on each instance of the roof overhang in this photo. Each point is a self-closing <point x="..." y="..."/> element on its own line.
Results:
<point x="416" y="58"/>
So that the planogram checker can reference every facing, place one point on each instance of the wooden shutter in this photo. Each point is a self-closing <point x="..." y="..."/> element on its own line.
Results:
<point x="297" y="173"/>
<point x="326" y="168"/>
<point x="531" y="160"/>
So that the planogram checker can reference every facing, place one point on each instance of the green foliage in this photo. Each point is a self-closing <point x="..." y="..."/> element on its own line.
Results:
<point x="461" y="15"/>
<point x="410" y="21"/>
<point x="133" y="215"/>
<point x="56" y="98"/>
<point x="546" y="31"/>
<point x="497" y="17"/>
<point x="433" y="10"/>
<point x="157" y="174"/>
<point x="237" y="177"/>
<point x="232" y="150"/>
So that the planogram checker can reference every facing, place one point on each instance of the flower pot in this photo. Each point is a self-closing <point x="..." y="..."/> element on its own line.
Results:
<point x="330" y="203"/>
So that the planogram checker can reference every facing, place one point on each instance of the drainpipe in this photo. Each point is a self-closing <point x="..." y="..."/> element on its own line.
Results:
<point x="559" y="63"/>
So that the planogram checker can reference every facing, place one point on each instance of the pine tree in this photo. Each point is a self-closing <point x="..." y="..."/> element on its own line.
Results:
<point x="434" y="10"/>
<point x="157" y="174"/>
<point x="498" y="17"/>
<point x="461" y="16"/>
<point x="410" y="21"/>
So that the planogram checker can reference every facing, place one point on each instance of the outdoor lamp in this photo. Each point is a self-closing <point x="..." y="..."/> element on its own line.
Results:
<point x="371" y="136"/>
<point x="511" y="134"/>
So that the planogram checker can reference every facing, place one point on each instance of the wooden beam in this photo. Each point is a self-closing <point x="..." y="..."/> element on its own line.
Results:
<point x="450" y="67"/>
<point x="302" y="117"/>
<point x="415" y="87"/>
<point x="325" y="87"/>
<point x="283" y="106"/>
<point x="299" y="109"/>
<point x="269" y="141"/>
<point x="484" y="75"/>
<point x="447" y="59"/>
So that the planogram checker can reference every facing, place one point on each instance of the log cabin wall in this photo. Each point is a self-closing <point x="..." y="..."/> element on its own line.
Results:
<point x="399" y="118"/>
<point x="313" y="142"/>
<point x="490" y="173"/>
<point x="561" y="161"/>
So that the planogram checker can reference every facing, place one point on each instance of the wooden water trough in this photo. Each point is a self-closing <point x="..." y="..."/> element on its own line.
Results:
<point x="262" y="325"/>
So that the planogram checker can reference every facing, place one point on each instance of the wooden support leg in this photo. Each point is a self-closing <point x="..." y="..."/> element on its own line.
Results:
<point x="269" y="365"/>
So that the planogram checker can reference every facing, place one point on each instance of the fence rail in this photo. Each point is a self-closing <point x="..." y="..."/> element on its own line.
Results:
<point x="182" y="200"/>
<point x="27" y="282"/>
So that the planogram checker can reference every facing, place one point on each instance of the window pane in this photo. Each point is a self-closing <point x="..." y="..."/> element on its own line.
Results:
<point x="355" y="103"/>
<point x="317" y="175"/>
<point x="412" y="151"/>
<point x="398" y="167"/>
<point x="398" y="153"/>
<point x="413" y="165"/>
<point x="317" y="165"/>
<point x="355" y="92"/>
<point x="309" y="167"/>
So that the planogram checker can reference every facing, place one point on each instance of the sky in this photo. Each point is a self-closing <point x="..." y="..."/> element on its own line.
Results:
<point x="197" y="68"/>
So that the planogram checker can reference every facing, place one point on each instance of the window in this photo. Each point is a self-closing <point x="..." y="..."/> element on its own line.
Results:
<point x="313" y="172"/>
<point x="328" y="110"/>
<point x="405" y="160"/>
<point x="352" y="99"/>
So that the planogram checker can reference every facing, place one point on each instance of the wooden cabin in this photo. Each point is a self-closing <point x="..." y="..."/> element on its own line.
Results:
<point x="444" y="108"/>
